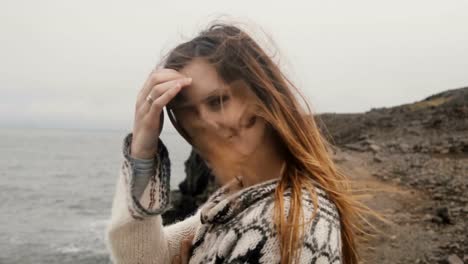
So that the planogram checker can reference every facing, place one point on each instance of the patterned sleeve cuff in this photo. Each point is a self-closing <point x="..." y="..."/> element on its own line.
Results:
<point x="156" y="201"/>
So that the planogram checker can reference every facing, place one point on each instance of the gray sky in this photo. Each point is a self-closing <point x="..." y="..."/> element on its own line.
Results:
<point x="81" y="63"/>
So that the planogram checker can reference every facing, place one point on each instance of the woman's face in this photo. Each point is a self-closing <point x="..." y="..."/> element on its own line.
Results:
<point x="219" y="118"/>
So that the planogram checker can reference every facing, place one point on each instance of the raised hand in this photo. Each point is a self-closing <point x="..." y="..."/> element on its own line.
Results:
<point x="160" y="88"/>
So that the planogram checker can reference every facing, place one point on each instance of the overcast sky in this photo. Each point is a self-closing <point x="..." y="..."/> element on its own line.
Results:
<point x="81" y="63"/>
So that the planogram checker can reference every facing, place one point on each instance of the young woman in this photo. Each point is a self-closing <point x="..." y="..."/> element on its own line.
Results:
<point x="282" y="200"/>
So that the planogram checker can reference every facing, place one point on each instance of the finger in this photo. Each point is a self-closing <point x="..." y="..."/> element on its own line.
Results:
<point x="156" y="77"/>
<point x="161" y="89"/>
<point x="164" y="99"/>
<point x="185" y="251"/>
<point x="176" y="259"/>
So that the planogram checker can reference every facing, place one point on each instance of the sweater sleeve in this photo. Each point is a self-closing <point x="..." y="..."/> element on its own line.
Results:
<point x="144" y="169"/>
<point x="134" y="233"/>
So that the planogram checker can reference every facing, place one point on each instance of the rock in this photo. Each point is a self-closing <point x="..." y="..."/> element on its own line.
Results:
<point x="465" y="209"/>
<point x="198" y="176"/>
<point x="377" y="158"/>
<point x="437" y="196"/>
<point x="374" y="148"/>
<point x="363" y="137"/>
<point x="453" y="259"/>
<point x="356" y="147"/>
<point x="444" y="215"/>
<point x="427" y="217"/>
<point x="181" y="206"/>
<point x="434" y="123"/>
<point x="404" y="147"/>
<point x="193" y="191"/>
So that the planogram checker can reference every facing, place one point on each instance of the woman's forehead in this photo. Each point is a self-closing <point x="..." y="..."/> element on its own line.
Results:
<point x="205" y="82"/>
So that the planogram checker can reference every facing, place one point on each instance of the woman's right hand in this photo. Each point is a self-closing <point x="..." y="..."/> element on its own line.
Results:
<point x="162" y="85"/>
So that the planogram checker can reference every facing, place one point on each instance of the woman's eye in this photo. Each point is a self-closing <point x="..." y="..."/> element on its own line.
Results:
<point x="216" y="103"/>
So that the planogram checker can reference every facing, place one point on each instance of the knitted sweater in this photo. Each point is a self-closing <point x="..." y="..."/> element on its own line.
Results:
<point x="228" y="228"/>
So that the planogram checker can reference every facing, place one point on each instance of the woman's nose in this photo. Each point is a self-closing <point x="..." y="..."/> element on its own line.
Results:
<point x="218" y="122"/>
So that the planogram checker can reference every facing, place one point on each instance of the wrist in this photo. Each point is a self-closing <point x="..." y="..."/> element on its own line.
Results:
<point x="141" y="154"/>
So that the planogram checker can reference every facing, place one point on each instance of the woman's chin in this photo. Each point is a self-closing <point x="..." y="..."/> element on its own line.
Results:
<point x="241" y="147"/>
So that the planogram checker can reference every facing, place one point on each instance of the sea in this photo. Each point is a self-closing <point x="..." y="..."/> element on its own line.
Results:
<point x="56" y="191"/>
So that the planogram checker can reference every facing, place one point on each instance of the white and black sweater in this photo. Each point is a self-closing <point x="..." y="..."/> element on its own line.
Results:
<point x="235" y="228"/>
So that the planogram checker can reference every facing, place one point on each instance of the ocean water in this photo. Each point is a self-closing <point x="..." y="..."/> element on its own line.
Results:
<point x="56" y="191"/>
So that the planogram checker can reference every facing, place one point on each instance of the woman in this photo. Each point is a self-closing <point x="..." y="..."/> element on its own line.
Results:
<point x="282" y="199"/>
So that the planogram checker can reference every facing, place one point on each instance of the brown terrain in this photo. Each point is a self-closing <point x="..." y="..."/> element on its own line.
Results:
<point x="412" y="160"/>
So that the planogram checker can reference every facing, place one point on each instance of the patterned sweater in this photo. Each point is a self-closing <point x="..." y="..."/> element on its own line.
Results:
<point x="228" y="228"/>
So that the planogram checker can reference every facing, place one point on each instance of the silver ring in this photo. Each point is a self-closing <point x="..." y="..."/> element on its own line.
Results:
<point x="149" y="99"/>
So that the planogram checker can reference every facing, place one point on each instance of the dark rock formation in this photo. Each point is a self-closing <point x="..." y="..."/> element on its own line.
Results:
<point x="193" y="191"/>
<point x="437" y="124"/>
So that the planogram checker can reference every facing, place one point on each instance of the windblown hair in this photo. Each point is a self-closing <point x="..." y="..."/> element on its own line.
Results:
<point x="236" y="56"/>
